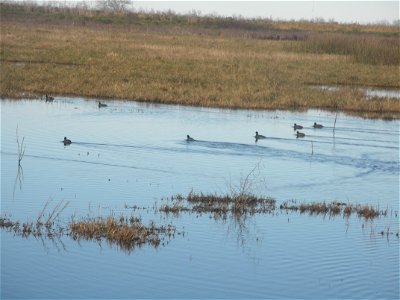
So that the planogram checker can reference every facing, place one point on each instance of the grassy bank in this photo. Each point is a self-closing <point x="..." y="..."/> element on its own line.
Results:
<point x="226" y="64"/>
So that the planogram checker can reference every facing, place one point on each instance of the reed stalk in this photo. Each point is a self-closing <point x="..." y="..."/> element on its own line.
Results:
<point x="21" y="148"/>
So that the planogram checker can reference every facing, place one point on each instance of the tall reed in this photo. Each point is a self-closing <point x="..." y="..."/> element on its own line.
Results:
<point x="368" y="49"/>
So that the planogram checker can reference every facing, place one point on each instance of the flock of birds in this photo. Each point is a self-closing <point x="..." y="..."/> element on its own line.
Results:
<point x="68" y="141"/>
<point x="261" y="137"/>
<point x="296" y="127"/>
<point x="301" y="134"/>
<point x="51" y="99"/>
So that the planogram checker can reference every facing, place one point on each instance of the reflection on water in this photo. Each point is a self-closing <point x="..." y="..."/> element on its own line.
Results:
<point x="128" y="233"/>
<point x="368" y="92"/>
<point x="19" y="178"/>
<point x="127" y="156"/>
<point x="20" y="172"/>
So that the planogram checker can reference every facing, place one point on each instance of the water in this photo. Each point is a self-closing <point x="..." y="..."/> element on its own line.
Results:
<point x="135" y="154"/>
<point x="368" y="92"/>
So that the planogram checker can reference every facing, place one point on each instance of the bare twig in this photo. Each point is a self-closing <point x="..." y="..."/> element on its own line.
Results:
<point x="21" y="148"/>
<point x="41" y="213"/>
<point x="334" y="125"/>
<point x="56" y="211"/>
<point x="246" y="184"/>
<point x="61" y="210"/>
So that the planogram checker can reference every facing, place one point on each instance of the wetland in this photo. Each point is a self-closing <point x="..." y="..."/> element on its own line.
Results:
<point x="276" y="215"/>
<point x="158" y="155"/>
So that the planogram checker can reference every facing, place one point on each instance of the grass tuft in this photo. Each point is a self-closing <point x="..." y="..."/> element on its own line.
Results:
<point x="221" y="206"/>
<point x="127" y="234"/>
<point x="334" y="208"/>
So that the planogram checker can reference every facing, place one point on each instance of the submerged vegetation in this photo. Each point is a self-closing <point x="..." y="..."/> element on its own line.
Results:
<point x="239" y="207"/>
<point x="220" y="206"/>
<point x="128" y="233"/>
<point x="196" y="60"/>
<point x="248" y="204"/>
<point x="334" y="208"/>
<point x="123" y="232"/>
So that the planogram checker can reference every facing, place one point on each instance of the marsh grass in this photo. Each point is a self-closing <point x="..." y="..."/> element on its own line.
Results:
<point x="366" y="49"/>
<point x="127" y="233"/>
<point x="368" y="212"/>
<point x="83" y="13"/>
<point x="248" y="204"/>
<point x="237" y="208"/>
<point x="124" y="232"/>
<point x="240" y="209"/>
<point x="221" y="206"/>
<point x="57" y="210"/>
<point x="200" y="65"/>
<point x="175" y="208"/>
<point x="334" y="209"/>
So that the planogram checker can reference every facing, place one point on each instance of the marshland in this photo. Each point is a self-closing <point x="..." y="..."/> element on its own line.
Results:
<point x="212" y="62"/>
<point x="130" y="209"/>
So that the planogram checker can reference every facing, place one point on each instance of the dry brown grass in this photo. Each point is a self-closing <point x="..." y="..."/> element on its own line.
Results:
<point x="123" y="62"/>
<point x="125" y="233"/>
<point x="241" y="205"/>
<point x="122" y="232"/>
<point x="368" y="212"/>
<point x="238" y="205"/>
<point x="375" y="50"/>
<point x="334" y="208"/>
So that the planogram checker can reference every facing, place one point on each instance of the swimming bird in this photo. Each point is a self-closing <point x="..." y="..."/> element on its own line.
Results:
<point x="300" y="134"/>
<point x="295" y="126"/>
<point x="189" y="138"/>
<point x="259" y="136"/>
<point x="317" y="125"/>
<point x="49" y="98"/>
<point x="66" y="141"/>
<point x="102" y="104"/>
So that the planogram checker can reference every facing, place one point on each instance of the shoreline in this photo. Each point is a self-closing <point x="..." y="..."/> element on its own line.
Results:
<point x="213" y="62"/>
<point x="374" y="115"/>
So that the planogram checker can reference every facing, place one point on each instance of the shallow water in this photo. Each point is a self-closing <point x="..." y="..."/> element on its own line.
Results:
<point x="130" y="154"/>
<point x="369" y="92"/>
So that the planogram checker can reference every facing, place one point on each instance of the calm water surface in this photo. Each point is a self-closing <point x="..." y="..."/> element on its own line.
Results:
<point x="135" y="154"/>
<point x="369" y="92"/>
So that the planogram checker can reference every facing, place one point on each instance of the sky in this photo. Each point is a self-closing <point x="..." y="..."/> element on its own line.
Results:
<point x="362" y="12"/>
<point x="341" y="11"/>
